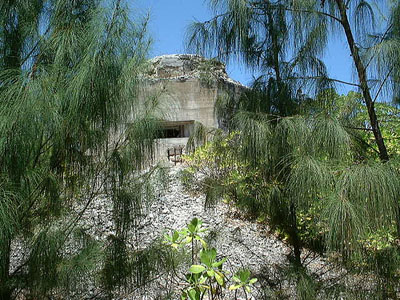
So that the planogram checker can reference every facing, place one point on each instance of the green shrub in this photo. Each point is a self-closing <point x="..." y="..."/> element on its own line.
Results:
<point x="206" y="274"/>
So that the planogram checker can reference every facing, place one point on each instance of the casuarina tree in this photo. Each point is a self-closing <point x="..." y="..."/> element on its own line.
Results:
<point x="72" y="130"/>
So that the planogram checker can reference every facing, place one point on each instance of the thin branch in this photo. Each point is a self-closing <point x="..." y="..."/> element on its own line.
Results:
<point x="112" y="22"/>
<point x="34" y="47"/>
<point x="382" y="84"/>
<point x="215" y="17"/>
<point x="301" y="11"/>
<point x="359" y="128"/>
<point x="362" y="141"/>
<point x="315" y="12"/>
<point x="382" y="38"/>
<point x="329" y="79"/>
<point x="95" y="191"/>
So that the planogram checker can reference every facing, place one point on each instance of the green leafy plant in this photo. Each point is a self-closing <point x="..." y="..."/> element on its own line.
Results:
<point x="206" y="275"/>
<point x="216" y="169"/>
<point x="243" y="281"/>
<point x="188" y="235"/>
<point x="192" y="233"/>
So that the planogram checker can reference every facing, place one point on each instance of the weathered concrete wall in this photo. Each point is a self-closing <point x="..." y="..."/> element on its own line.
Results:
<point x="188" y="86"/>
<point x="187" y="100"/>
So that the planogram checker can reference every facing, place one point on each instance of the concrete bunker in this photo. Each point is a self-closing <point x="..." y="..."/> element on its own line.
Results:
<point x="188" y="87"/>
<point x="176" y="129"/>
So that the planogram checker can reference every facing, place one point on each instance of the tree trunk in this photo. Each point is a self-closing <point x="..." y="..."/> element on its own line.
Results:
<point x="5" y="288"/>
<point x="362" y="77"/>
<point x="5" y="294"/>
<point x="398" y="219"/>
<point x="294" y="235"/>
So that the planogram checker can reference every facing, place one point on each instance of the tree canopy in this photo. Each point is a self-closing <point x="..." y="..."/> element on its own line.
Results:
<point x="317" y="170"/>
<point x="286" y="39"/>
<point x="321" y="169"/>
<point x="69" y="82"/>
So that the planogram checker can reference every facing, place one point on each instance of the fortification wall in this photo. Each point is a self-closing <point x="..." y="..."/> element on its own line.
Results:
<point x="186" y="88"/>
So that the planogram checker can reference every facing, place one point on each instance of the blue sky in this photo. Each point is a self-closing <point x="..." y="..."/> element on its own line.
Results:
<point x="170" y="18"/>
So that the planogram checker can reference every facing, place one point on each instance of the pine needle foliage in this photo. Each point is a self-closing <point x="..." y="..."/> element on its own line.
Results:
<point x="317" y="164"/>
<point x="198" y="137"/>
<point x="73" y="130"/>
<point x="255" y="142"/>
<point x="312" y="154"/>
<point x="285" y="40"/>
<point x="306" y="165"/>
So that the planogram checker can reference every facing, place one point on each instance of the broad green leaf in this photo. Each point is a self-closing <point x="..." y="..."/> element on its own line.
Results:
<point x="167" y="238"/>
<point x="175" y="236"/>
<point x="184" y="232"/>
<point x="219" y="263"/>
<point x="194" y="295"/>
<point x="244" y="275"/>
<point x="205" y="258"/>
<point x="191" y="228"/>
<point x="211" y="273"/>
<point x="236" y="279"/>
<point x="208" y="256"/>
<point x="187" y="240"/>
<point x="196" y="269"/>
<point x="213" y="253"/>
<point x="253" y="280"/>
<point x="195" y="222"/>
<point x="220" y="278"/>
<point x="202" y="279"/>
<point x="235" y="287"/>
<point x="203" y="242"/>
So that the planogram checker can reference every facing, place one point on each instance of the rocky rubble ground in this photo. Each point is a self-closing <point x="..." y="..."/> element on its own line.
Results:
<point x="246" y="243"/>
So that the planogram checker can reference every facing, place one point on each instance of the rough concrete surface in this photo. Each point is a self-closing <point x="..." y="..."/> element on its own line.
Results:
<point x="187" y="87"/>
